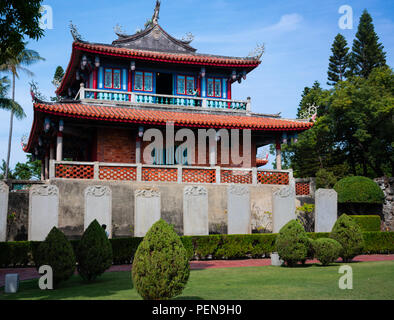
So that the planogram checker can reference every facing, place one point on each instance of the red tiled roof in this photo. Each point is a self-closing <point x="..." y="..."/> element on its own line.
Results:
<point x="261" y="162"/>
<point x="189" y="58"/>
<point x="161" y="117"/>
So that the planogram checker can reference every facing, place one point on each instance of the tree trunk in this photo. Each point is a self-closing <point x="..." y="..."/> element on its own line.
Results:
<point x="10" y="132"/>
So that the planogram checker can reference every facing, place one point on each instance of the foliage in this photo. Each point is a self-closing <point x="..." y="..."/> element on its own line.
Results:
<point x="367" y="52"/>
<point x="161" y="266"/>
<point x="326" y="250"/>
<point x="339" y="61"/>
<point x="17" y="20"/>
<point x="348" y="233"/>
<point x="292" y="243"/>
<point x="57" y="252"/>
<point x="7" y="103"/>
<point x="353" y="132"/>
<point x="94" y="253"/>
<point x="305" y="215"/>
<point x="124" y="248"/>
<point x="358" y="190"/>
<point x="325" y="179"/>
<point x="368" y="222"/>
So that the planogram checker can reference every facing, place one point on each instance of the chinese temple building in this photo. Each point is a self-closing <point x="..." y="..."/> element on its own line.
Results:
<point x="112" y="93"/>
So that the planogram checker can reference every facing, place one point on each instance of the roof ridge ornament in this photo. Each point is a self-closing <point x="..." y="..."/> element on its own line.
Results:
<point x="155" y="18"/>
<point x="257" y="52"/>
<point x="74" y="32"/>
<point x="188" y="37"/>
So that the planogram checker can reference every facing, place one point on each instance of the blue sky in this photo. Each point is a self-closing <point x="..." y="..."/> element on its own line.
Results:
<point x="297" y="35"/>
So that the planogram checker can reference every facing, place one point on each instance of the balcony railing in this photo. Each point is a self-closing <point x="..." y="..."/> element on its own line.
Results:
<point x="142" y="98"/>
<point x="166" y="173"/>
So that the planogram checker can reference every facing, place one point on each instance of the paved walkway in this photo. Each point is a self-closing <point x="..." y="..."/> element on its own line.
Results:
<point x="31" y="273"/>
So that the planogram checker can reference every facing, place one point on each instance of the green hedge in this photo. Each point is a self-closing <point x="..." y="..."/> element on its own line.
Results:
<point x="358" y="189"/>
<point x="20" y="254"/>
<point x="368" y="223"/>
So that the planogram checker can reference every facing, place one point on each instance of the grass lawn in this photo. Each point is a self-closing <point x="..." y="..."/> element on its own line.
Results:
<point x="371" y="280"/>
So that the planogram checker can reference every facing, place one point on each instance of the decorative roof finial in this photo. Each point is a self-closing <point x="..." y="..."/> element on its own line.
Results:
<point x="258" y="51"/>
<point x="74" y="32"/>
<point x="155" y="17"/>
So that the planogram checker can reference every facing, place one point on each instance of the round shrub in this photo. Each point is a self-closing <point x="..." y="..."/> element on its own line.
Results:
<point x="56" y="251"/>
<point x="358" y="190"/>
<point x="94" y="252"/>
<point x="326" y="250"/>
<point x="161" y="265"/>
<point x="292" y="243"/>
<point x="348" y="233"/>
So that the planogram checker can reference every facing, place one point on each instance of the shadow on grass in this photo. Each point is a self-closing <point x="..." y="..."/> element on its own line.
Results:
<point x="106" y="285"/>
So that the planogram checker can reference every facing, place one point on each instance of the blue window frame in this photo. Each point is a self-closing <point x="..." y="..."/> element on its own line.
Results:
<point x="185" y="85"/>
<point x="112" y="79"/>
<point x="143" y="81"/>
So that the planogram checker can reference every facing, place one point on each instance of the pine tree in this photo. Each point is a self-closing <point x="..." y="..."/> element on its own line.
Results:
<point x="339" y="61"/>
<point x="367" y="52"/>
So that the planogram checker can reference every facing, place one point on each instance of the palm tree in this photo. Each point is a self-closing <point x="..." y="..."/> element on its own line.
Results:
<point x="16" y="62"/>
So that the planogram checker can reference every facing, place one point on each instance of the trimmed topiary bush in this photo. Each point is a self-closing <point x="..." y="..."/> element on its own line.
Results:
<point x="368" y="222"/>
<point x="94" y="252"/>
<point x="161" y="265"/>
<point x="348" y="233"/>
<point x="358" y="189"/>
<point x="292" y="243"/>
<point x="326" y="250"/>
<point x="57" y="252"/>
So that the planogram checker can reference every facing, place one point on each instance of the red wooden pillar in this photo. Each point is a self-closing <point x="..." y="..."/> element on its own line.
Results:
<point x="95" y="81"/>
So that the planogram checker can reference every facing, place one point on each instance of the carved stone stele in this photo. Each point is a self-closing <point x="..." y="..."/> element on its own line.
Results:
<point x="238" y="189"/>
<point x="3" y="187"/>
<point x="195" y="211"/>
<point x="195" y="190"/>
<point x="98" y="206"/>
<point x="44" y="190"/>
<point x="147" y="193"/>
<point x="98" y="191"/>
<point x="43" y="211"/>
<point x="3" y="210"/>
<point x="238" y="210"/>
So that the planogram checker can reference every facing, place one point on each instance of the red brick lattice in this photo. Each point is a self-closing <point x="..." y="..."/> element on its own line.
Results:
<point x="267" y="177"/>
<point x="74" y="171"/>
<point x="160" y="174"/>
<point x="231" y="176"/>
<point x="199" y="176"/>
<point x="302" y="188"/>
<point x="118" y="173"/>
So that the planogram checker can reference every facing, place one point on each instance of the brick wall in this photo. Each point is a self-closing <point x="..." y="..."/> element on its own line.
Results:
<point x="116" y="145"/>
<point x="119" y="145"/>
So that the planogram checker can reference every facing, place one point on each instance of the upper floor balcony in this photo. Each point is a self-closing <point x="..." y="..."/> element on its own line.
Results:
<point x="150" y="99"/>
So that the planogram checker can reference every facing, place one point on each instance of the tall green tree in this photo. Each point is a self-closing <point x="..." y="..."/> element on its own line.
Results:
<point x="367" y="52"/>
<point x="362" y="113"/>
<point x="57" y="79"/>
<point x="17" y="62"/>
<point x="18" y="19"/>
<point x="339" y="60"/>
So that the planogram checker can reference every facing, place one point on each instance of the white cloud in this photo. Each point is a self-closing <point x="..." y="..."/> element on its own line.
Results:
<point x="287" y="22"/>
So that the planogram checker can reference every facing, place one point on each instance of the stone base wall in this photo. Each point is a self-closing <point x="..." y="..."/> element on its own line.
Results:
<point x="387" y="185"/>
<point x="71" y="206"/>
